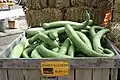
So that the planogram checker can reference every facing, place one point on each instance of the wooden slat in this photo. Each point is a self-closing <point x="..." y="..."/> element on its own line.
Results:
<point x="92" y="63"/>
<point x="15" y="74"/>
<point x="114" y="74"/>
<point x="45" y="78"/>
<point x="32" y="74"/>
<point x="70" y="77"/>
<point x="101" y="74"/>
<point x="3" y="74"/>
<point x="83" y="74"/>
<point x="16" y="64"/>
<point x="76" y="63"/>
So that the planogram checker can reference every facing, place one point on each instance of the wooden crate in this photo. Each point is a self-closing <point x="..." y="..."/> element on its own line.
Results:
<point x="80" y="68"/>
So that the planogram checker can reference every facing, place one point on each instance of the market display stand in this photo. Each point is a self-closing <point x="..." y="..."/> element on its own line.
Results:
<point x="78" y="68"/>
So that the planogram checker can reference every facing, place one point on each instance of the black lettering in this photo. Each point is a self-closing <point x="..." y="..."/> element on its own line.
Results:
<point x="47" y="65"/>
<point x="54" y="65"/>
<point x="60" y="65"/>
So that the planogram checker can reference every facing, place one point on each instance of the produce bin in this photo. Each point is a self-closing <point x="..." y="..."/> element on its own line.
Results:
<point x="79" y="68"/>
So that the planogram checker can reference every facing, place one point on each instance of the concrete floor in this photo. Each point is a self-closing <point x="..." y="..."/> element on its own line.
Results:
<point x="20" y="26"/>
<point x="5" y="41"/>
<point x="9" y="35"/>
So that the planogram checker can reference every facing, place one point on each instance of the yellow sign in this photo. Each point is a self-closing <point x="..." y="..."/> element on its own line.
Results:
<point x="54" y="68"/>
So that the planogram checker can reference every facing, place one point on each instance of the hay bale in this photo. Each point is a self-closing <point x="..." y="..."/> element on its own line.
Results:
<point x="43" y="4"/>
<point x="31" y="17"/>
<point x="27" y="17"/>
<point x="38" y="17"/>
<point x="79" y="3"/>
<point x="78" y="14"/>
<point x="62" y="3"/>
<point x="117" y="6"/>
<point x="49" y="15"/>
<point x="58" y="3"/>
<point x="90" y="3"/>
<point x="116" y="16"/>
<point x="29" y="4"/>
<point x="114" y="35"/>
<point x="74" y="14"/>
<point x="116" y="13"/>
<point x="51" y="3"/>
<point x="36" y="4"/>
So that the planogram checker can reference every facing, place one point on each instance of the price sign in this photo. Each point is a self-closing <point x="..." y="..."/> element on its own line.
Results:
<point x="54" y="68"/>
